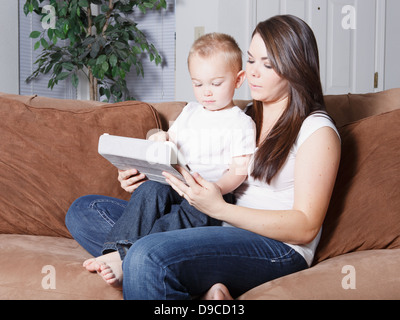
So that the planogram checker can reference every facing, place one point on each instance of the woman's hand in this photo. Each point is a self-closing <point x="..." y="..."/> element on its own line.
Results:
<point x="200" y="193"/>
<point x="130" y="179"/>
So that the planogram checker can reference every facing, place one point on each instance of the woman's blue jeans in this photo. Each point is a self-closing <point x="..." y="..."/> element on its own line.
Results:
<point x="182" y="263"/>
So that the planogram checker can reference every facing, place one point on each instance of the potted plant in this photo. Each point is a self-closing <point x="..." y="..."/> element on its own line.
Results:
<point x="104" y="46"/>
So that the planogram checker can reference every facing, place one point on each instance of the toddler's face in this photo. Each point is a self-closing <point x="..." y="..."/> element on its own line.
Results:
<point x="214" y="81"/>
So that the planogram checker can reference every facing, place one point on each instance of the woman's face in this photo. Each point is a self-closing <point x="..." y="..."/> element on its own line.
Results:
<point x="265" y="84"/>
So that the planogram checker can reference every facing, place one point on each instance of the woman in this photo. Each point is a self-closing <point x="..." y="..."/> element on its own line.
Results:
<point x="280" y="208"/>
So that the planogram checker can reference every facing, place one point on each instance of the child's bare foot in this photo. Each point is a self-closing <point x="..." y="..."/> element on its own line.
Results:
<point x="108" y="266"/>
<point x="91" y="265"/>
<point x="111" y="273"/>
<point x="218" y="292"/>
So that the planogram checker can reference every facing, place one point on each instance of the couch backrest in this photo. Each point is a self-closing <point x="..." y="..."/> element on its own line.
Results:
<point x="348" y="108"/>
<point x="52" y="103"/>
<point x="343" y="108"/>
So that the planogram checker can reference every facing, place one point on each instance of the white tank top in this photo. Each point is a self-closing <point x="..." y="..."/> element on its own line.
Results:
<point x="279" y="195"/>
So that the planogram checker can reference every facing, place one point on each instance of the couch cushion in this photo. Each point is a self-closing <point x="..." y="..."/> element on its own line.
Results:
<point x="48" y="158"/>
<point x="36" y="267"/>
<point x="364" y="210"/>
<point x="372" y="274"/>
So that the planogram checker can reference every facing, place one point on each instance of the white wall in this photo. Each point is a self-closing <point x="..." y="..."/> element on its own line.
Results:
<point x="9" y="54"/>
<point x="392" y="63"/>
<point x="235" y="17"/>
<point x="229" y="16"/>
<point x="238" y="18"/>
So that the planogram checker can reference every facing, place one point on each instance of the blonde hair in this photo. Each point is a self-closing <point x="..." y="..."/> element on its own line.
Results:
<point x="214" y="43"/>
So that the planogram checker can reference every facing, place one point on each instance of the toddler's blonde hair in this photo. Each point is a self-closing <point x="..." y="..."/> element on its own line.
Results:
<point x="215" y="43"/>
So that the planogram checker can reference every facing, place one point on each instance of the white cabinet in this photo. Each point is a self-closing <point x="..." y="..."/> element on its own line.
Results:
<point x="350" y="36"/>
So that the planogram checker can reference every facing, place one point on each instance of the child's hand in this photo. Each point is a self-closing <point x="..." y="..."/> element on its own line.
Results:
<point x="159" y="136"/>
<point x="131" y="179"/>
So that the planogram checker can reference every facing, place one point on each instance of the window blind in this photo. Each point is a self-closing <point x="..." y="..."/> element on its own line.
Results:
<point x="27" y="57"/>
<point x="158" y="83"/>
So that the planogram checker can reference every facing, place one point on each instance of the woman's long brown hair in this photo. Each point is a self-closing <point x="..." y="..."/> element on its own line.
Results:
<point x="293" y="52"/>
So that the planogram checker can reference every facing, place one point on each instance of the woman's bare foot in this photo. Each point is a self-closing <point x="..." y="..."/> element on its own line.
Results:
<point x="108" y="266"/>
<point x="218" y="292"/>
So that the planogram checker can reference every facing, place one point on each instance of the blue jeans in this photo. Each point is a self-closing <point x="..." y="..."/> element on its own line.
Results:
<point x="183" y="263"/>
<point x="155" y="207"/>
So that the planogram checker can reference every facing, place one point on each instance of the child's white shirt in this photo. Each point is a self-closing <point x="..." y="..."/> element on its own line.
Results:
<point x="209" y="140"/>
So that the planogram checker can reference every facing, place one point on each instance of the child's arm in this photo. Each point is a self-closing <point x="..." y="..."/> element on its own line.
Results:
<point x="235" y="175"/>
<point x="159" y="136"/>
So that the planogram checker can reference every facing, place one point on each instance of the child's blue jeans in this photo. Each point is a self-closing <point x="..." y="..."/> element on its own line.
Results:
<point x="155" y="207"/>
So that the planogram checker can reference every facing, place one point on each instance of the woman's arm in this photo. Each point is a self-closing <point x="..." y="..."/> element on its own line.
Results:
<point x="317" y="162"/>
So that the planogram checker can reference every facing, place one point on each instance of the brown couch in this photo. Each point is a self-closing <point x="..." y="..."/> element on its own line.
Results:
<point x="48" y="158"/>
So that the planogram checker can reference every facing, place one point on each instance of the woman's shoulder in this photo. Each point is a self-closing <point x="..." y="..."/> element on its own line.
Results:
<point x="314" y="122"/>
<point x="318" y="120"/>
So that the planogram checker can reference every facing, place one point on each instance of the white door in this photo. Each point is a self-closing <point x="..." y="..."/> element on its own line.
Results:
<point x="346" y="32"/>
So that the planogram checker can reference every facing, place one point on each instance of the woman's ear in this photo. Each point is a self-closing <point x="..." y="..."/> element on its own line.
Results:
<point x="240" y="78"/>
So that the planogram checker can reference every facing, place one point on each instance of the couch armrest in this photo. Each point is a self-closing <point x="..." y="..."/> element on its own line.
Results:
<point x="48" y="158"/>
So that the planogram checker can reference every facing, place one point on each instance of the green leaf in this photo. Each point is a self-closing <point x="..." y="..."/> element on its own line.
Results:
<point x="113" y="60"/>
<point x="126" y="66"/>
<point x="95" y="49"/>
<point x="142" y="8"/>
<point x="136" y="50"/>
<point x="36" y="46"/>
<point x="62" y="76"/>
<point x="65" y="28"/>
<point x="120" y="45"/>
<point x="35" y="34"/>
<point x="114" y="72"/>
<point x="84" y="3"/>
<point x="101" y="59"/>
<point x="75" y="80"/>
<point x="105" y="66"/>
<point x="44" y="43"/>
<point x="50" y="33"/>
<point x="68" y="66"/>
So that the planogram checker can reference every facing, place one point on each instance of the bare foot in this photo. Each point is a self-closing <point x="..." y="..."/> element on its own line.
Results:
<point x="111" y="273"/>
<point x="108" y="266"/>
<point x="218" y="292"/>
